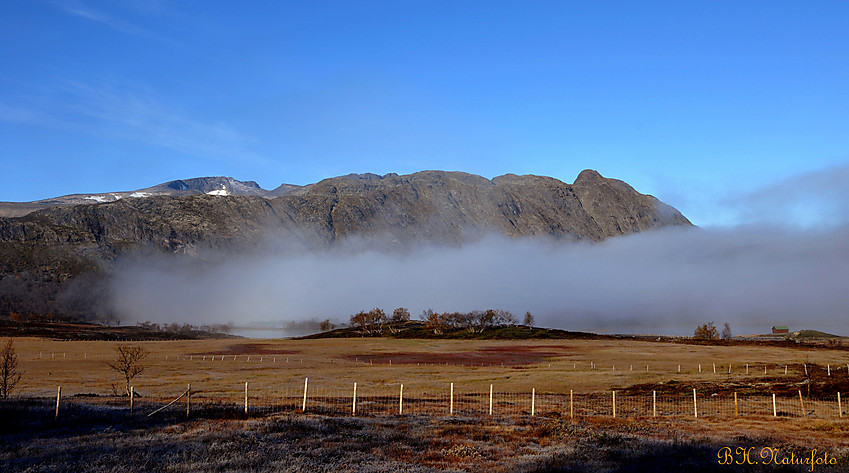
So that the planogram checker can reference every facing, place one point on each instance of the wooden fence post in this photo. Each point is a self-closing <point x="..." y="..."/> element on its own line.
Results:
<point x="747" y="369"/>
<point x="571" y="410"/>
<point x="58" y="397"/>
<point x="614" y="403"/>
<point x="736" y="412"/>
<point x="714" y="368"/>
<point x="188" y="400"/>
<point x="654" y="403"/>
<point x="700" y="367"/>
<point x="829" y="369"/>
<point x="729" y="368"/>
<point x="354" y="403"/>
<point x="785" y="369"/>
<point x="401" y="401"/>
<point x="533" y="400"/>
<point x="451" y="402"/>
<point x="695" y="409"/>
<point x="802" y="403"/>
<point x="132" y="395"/>
<point x="304" y="405"/>
<point x="490" y="399"/>
<point x="774" y="410"/>
<point x="839" y="406"/>
<point x="246" y="398"/>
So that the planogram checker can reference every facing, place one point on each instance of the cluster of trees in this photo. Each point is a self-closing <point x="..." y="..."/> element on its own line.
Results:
<point x="708" y="331"/>
<point x="184" y="329"/>
<point x="46" y="295"/>
<point x="475" y="321"/>
<point x="376" y="321"/>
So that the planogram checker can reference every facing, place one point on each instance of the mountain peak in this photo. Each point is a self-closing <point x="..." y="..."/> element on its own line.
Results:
<point x="588" y="175"/>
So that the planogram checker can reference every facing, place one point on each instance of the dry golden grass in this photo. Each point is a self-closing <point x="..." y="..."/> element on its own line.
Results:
<point x="549" y="442"/>
<point x="547" y="366"/>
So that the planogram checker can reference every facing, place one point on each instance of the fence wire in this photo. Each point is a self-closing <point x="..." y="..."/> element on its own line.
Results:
<point x="389" y="400"/>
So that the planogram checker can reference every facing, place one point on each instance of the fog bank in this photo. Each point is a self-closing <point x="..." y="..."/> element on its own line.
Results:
<point x="655" y="282"/>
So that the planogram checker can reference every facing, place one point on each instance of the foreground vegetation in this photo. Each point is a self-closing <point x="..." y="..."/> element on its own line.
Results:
<point x="103" y="440"/>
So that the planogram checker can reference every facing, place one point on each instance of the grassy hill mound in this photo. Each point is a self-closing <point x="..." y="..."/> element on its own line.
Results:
<point x="416" y="329"/>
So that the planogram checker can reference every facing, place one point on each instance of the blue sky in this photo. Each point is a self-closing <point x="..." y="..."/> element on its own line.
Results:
<point x="694" y="102"/>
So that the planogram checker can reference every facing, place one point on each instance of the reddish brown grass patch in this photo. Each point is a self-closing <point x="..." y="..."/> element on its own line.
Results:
<point x="513" y="356"/>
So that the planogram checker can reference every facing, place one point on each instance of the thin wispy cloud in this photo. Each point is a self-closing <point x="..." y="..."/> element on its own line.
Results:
<point x="126" y="111"/>
<point x="137" y="114"/>
<point x="25" y="116"/>
<point x="80" y="10"/>
<point x="815" y="199"/>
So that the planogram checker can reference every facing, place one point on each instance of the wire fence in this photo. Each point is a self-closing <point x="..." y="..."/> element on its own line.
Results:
<point x="724" y="367"/>
<point x="385" y="399"/>
<point x="392" y="400"/>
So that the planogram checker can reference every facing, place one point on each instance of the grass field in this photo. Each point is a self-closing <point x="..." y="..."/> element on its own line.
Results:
<point x="547" y="366"/>
<point x="101" y="435"/>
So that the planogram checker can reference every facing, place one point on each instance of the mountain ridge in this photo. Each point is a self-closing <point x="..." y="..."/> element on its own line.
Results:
<point x="214" y="185"/>
<point x="56" y="259"/>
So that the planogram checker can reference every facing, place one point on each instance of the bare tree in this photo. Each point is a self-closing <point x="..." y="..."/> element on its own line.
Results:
<point x="435" y="322"/>
<point x="10" y="376"/>
<point x="128" y="362"/>
<point x="505" y="317"/>
<point x="706" y="331"/>
<point x="359" y="320"/>
<point x="326" y="325"/>
<point x="376" y="320"/>
<point x="726" y="331"/>
<point x="369" y="322"/>
<point x="529" y="319"/>
<point x="400" y="315"/>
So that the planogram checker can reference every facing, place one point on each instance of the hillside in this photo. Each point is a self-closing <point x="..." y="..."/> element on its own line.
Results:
<point x="52" y="260"/>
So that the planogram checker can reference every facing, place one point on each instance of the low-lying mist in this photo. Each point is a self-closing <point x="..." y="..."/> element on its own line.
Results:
<point x="664" y="281"/>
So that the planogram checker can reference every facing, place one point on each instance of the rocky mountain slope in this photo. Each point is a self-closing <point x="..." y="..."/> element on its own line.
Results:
<point x="70" y="245"/>
<point x="178" y="188"/>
